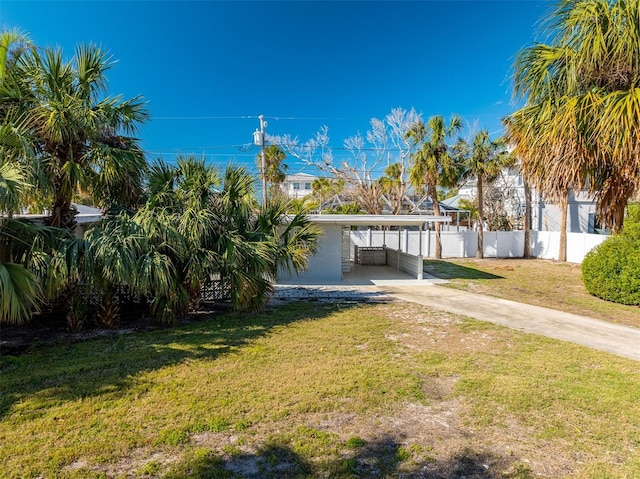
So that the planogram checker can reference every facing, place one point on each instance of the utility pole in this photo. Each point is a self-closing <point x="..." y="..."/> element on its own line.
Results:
<point x="258" y="140"/>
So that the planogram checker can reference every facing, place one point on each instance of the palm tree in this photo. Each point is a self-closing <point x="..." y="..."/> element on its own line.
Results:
<point x="81" y="137"/>
<point x="12" y="44"/>
<point x="275" y="170"/>
<point x="580" y="126"/>
<point x="433" y="162"/>
<point x="194" y="225"/>
<point x="527" y="218"/>
<point x="19" y="289"/>
<point x="485" y="161"/>
<point x="245" y="260"/>
<point x="393" y="186"/>
<point x="295" y="236"/>
<point x="554" y="159"/>
<point x="143" y="253"/>
<point x="324" y="188"/>
<point x="20" y="292"/>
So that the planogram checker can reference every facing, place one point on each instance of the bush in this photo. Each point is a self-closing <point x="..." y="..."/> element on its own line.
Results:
<point x="611" y="271"/>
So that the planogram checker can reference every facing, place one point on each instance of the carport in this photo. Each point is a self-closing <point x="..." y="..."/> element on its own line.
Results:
<point x="336" y="257"/>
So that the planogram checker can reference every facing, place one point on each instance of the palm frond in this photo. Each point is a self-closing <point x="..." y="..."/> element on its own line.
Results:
<point x="19" y="293"/>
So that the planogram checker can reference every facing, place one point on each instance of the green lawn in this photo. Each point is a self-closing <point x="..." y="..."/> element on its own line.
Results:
<point x="539" y="282"/>
<point x="315" y="390"/>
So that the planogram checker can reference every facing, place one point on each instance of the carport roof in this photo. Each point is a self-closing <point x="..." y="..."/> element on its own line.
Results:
<point x="377" y="220"/>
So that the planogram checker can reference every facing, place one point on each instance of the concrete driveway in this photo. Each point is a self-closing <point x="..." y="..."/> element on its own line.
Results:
<point x="614" y="338"/>
<point x="375" y="283"/>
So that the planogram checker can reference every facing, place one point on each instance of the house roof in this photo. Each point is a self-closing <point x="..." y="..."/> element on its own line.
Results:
<point x="454" y="201"/>
<point x="299" y="176"/>
<point x="377" y="220"/>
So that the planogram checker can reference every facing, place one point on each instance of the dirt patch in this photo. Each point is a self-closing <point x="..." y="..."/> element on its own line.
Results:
<point x="140" y="462"/>
<point x="422" y="329"/>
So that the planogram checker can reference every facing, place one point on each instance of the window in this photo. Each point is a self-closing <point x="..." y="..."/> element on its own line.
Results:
<point x="307" y="186"/>
<point x="296" y="186"/>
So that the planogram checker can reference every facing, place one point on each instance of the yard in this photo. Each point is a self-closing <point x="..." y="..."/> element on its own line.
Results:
<point x="539" y="282"/>
<point x="318" y="390"/>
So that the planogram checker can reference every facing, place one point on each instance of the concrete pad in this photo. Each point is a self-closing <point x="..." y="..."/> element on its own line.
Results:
<point x="361" y="275"/>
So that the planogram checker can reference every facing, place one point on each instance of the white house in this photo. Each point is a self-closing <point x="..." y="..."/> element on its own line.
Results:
<point x="298" y="185"/>
<point x="545" y="216"/>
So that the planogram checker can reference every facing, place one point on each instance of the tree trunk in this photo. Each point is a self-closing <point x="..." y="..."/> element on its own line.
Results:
<point x="5" y="257"/>
<point x="616" y="216"/>
<point x="61" y="215"/>
<point x="480" y="250"/>
<point x="527" y="219"/>
<point x="400" y="191"/>
<point x="436" y="211"/>
<point x="564" y="203"/>
<point x="613" y="198"/>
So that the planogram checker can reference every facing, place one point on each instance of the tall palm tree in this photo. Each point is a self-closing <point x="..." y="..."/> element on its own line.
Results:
<point x="527" y="217"/>
<point x="486" y="159"/>
<point x="582" y="114"/>
<point x="276" y="169"/>
<point x="82" y="137"/>
<point x="433" y="162"/>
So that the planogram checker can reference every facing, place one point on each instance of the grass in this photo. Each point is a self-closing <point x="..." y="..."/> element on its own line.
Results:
<point x="319" y="390"/>
<point x="539" y="282"/>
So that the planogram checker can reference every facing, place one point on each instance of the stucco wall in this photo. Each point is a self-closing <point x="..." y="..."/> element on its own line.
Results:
<point x="325" y="265"/>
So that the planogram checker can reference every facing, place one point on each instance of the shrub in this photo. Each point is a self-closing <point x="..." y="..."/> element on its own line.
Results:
<point x="611" y="271"/>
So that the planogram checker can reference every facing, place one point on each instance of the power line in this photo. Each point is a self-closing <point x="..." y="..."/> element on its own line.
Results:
<point x="247" y="146"/>
<point x="245" y="117"/>
<point x="301" y="118"/>
<point x="203" y="117"/>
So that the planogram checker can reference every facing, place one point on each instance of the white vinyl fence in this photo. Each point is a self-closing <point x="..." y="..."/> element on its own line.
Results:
<point x="463" y="244"/>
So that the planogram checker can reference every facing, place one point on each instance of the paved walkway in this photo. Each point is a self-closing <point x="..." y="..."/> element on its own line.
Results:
<point x="613" y="338"/>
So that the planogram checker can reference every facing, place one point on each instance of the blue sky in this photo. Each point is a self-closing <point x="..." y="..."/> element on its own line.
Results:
<point x="207" y="68"/>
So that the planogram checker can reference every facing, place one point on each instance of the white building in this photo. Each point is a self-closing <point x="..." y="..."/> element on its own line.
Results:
<point x="298" y="185"/>
<point x="545" y="216"/>
<point x="335" y="257"/>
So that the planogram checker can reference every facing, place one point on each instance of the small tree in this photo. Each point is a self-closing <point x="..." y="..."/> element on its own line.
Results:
<point x="324" y="188"/>
<point x="393" y="187"/>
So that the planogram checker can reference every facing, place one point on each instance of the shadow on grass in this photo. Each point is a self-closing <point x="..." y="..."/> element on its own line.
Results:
<point x="447" y="270"/>
<point x="109" y="364"/>
<point x="382" y="458"/>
